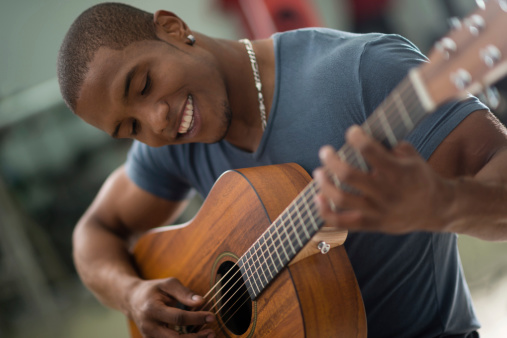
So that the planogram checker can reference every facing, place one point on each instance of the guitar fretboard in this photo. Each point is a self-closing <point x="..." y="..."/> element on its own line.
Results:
<point x="294" y="228"/>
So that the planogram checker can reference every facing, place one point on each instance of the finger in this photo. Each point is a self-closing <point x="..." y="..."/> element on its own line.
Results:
<point x="361" y="182"/>
<point x="173" y="288"/>
<point x="340" y="199"/>
<point x="354" y="220"/>
<point x="340" y="171"/>
<point x="175" y="316"/>
<point x="346" y="219"/>
<point x="374" y="153"/>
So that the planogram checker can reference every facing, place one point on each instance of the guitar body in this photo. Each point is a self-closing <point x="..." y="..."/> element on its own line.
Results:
<point x="317" y="296"/>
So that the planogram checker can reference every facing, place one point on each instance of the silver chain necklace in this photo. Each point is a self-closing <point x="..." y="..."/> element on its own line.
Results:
<point x="257" y="78"/>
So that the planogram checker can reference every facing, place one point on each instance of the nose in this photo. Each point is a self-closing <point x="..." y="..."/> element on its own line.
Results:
<point x="155" y="117"/>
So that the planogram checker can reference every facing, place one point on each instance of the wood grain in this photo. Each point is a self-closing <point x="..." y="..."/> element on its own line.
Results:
<point x="316" y="297"/>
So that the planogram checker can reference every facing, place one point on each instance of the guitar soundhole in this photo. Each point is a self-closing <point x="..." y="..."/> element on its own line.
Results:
<point x="233" y="302"/>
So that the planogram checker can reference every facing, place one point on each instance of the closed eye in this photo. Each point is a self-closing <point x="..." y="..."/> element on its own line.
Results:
<point x="147" y="85"/>
<point x="135" y="127"/>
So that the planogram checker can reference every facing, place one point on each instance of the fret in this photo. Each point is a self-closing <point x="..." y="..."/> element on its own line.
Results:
<point x="246" y="276"/>
<point x="359" y="161"/>
<point x="288" y="239"/>
<point x="405" y="117"/>
<point x="276" y="244"/>
<point x="269" y="253"/>
<point x="305" y="210"/>
<point x="355" y="158"/>
<point x="388" y="131"/>
<point x="254" y="274"/>
<point x="259" y="265"/>
<point x="249" y="272"/>
<point x="295" y="232"/>
<point x="367" y="129"/>
<point x="312" y="218"/>
<point x="302" y="223"/>
<point x="281" y="240"/>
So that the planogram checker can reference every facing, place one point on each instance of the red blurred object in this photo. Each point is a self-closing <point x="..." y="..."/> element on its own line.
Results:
<point x="365" y="10"/>
<point x="262" y="18"/>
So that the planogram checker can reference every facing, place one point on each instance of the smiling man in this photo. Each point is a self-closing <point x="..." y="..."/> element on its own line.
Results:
<point x="198" y="106"/>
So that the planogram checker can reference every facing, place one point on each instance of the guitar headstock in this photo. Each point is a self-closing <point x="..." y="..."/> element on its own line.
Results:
<point x="469" y="59"/>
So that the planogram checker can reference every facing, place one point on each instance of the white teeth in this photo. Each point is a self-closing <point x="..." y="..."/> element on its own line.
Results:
<point x="187" y="120"/>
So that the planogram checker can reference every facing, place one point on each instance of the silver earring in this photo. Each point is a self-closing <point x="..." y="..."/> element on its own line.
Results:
<point x="191" y="39"/>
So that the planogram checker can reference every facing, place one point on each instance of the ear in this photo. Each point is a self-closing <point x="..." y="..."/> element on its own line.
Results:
<point x="169" y="26"/>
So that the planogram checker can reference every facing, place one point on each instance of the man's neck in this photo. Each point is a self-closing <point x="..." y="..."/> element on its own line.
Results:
<point x="245" y="131"/>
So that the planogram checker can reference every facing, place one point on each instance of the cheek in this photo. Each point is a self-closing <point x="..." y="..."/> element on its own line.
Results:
<point x="151" y="140"/>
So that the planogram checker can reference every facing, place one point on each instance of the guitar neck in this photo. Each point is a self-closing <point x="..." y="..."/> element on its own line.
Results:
<point x="294" y="228"/>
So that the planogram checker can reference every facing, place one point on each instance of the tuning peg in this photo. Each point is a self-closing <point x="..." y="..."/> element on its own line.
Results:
<point x="490" y="55"/>
<point x="461" y="79"/>
<point x="446" y="46"/>
<point x="475" y="23"/>
<point x="454" y="23"/>
<point x="490" y="97"/>
<point x="480" y="4"/>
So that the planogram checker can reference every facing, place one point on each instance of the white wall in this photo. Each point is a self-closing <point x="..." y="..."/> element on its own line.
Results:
<point x="31" y="32"/>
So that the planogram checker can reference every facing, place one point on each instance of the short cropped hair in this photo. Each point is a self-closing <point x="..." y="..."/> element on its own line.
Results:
<point x="112" y="25"/>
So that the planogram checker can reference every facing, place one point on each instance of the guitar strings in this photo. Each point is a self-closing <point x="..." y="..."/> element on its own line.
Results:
<point x="282" y="242"/>
<point x="288" y="239"/>
<point x="374" y="128"/>
<point x="268" y="266"/>
<point x="237" y="309"/>
<point x="373" y="116"/>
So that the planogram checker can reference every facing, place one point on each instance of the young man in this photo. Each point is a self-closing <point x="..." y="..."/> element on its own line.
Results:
<point x="192" y="104"/>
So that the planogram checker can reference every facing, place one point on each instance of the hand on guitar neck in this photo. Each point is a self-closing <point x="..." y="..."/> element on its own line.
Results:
<point x="454" y="191"/>
<point x="387" y="198"/>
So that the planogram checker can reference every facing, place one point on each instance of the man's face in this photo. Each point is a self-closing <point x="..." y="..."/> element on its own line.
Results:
<point x="156" y="93"/>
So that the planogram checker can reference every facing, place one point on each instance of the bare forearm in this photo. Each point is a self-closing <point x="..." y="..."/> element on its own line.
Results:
<point x="479" y="209"/>
<point x="104" y="264"/>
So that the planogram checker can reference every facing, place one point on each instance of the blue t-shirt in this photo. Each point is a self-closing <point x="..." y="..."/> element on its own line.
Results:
<point x="327" y="80"/>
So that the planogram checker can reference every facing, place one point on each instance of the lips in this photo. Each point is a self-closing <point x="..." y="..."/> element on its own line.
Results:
<point x="187" y="120"/>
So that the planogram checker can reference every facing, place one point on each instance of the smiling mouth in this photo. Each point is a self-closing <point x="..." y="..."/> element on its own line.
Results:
<point x="187" y="120"/>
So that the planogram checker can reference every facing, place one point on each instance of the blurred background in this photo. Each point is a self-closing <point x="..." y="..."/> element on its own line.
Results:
<point x="52" y="164"/>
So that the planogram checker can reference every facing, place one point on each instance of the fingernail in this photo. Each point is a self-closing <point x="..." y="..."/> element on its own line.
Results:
<point x="196" y="298"/>
<point x="355" y="128"/>
<point x="322" y="152"/>
<point x="210" y="319"/>
<point x="316" y="200"/>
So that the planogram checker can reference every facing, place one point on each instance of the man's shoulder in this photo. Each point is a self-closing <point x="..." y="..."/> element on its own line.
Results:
<point x="325" y="45"/>
<point x="332" y="37"/>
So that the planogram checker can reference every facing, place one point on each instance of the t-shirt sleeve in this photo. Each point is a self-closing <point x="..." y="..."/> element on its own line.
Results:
<point x="384" y="63"/>
<point x="156" y="171"/>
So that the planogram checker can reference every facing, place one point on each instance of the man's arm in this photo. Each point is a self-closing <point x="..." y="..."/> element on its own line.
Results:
<point x="462" y="188"/>
<point x="479" y="203"/>
<point x="121" y="212"/>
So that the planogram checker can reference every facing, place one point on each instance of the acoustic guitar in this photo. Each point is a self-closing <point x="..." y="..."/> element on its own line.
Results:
<point x="257" y="248"/>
